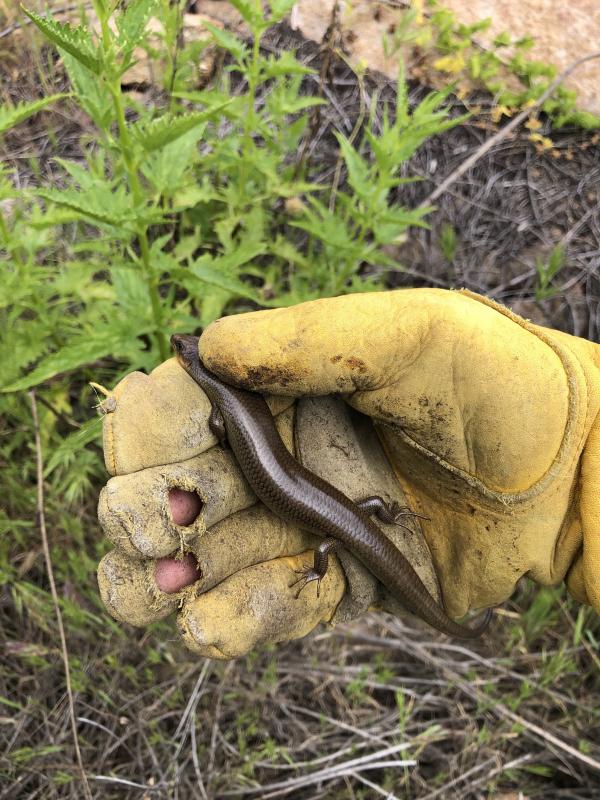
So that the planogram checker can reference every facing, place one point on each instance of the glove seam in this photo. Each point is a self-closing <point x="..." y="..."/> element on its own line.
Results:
<point x="589" y="518"/>
<point x="572" y="441"/>
<point x="109" y="445"/>
<point x="571" y="364"/>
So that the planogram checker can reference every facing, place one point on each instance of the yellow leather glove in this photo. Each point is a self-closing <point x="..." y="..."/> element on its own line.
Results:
<point x="491" y="425"/>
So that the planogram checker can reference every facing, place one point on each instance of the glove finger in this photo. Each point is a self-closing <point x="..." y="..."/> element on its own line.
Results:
<point x="160" y="418"/>
<point x="127" y="590"/>
<point x="256" y="606"/>
<point x="358" y="338"/>
<point x="250" y="537"/>
<point x="140" y="591"/>
<point x="159" y="510"/>
<point x="246" y="538"/>
<point x="136" y="511"/>
<point x="155" y="419"/>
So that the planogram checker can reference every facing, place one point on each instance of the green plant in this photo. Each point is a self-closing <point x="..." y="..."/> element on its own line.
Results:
<point x="159" y="237"/>
<point x="458" y="55"/>
<point x="405" y="708"/>
<point x="546" y="271"/>
<point x="540" y="613"/>
<point x="357" y="689"/>
<point x="448" y="242"/>
<point x="163" y="224"/>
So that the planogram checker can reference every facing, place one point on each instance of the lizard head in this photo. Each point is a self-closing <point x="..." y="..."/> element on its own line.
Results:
<point x="185" y="348"/>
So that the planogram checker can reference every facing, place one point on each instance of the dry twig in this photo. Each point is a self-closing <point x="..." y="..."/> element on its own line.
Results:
<point x="503" y="132"/>
<point x="63" y="641"/>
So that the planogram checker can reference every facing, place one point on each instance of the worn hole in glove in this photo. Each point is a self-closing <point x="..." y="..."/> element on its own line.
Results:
<point x="172" y="575"/>
<point x="185" y="506"/>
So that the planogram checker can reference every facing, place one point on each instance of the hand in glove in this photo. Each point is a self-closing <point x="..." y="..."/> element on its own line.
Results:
<point x="489" y="427"/>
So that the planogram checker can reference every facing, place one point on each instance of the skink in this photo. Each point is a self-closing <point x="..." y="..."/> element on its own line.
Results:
<point x="299" y="496"/>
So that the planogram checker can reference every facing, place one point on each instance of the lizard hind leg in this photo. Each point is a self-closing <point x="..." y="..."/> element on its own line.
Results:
<point x="307" y="575"/>
<point x="391" y="513"/>
<point x="318" y="570"/>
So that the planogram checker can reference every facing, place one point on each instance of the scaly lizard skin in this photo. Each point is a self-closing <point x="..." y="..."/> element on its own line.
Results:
<point x="299" y="496"/>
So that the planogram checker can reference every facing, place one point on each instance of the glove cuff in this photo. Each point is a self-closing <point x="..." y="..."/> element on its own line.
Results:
<point x="583" y="580"/>
<point x="577" y="549"/>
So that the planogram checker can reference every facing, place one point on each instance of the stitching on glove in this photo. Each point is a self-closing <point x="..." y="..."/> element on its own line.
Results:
<point x="575" y="427"/>
<point x="109" y="445"/>
<point x="562" y="461"/>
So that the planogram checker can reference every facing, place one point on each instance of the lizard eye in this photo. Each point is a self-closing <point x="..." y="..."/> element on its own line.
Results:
<point x="176" y="343"/>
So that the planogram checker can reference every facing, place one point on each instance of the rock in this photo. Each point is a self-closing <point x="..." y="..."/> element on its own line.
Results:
<point x="562" y="33"/>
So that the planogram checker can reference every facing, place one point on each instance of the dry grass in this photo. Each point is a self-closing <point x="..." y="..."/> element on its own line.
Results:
<point x="373" y="707"/>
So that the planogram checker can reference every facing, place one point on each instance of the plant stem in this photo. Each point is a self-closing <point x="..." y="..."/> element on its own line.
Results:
<point x="41" y="517"/>
<point x="114" y="87"/>
<point x="5" y="235"/>
<point x="249" y="121"/>
<point x="141" y="228"/>
<point x="3" y="229"/>
<point x="252" y="82"/>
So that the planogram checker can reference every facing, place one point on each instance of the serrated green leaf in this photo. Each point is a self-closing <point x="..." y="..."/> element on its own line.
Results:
<point x="326" y="226"/>
<point x="82" y="175"/>
<point x="211" y="305"/>
<point x="227" y="41"/>
<point x="293" y="105"/>
<point x="131" y="24"/>
<point x="286" y="98"/>
<point x="165" y="169"/>
<point x="166" y="129"/>
<point x="359" y="174"/>
<point x="189" y="196"/>
<point x="53" y="218"/>
<point x="402" y="110"/>
<point x="92" y="94"/>
<point x="296" y="188"/>
<point x="90" y="431"/>
<point x="283" y="65"/>
<point x="284" y="249"/>
<point x="76" y="41"/>
<point x="247" y="11"/>
<point x="279" y="9"/>
<point x="13" y="115"/>
<point x="88" y="205"/>
<point x="405" y="217"/>
<point x="203" y="270"/>
<point x="84" y="350"/>
<point x="243" y="252"/>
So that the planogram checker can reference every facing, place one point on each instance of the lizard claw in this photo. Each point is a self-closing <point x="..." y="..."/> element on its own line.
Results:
<point x="397" y="512"/>
<point x="307" y="575"/>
